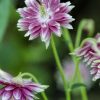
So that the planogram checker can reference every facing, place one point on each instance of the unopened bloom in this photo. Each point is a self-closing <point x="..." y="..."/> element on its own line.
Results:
<point x="44" y="18"/>
<point x="18" y="88"/>
<point x="89" y="51"/>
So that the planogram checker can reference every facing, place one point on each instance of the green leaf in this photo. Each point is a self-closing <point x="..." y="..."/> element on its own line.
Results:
<point x="4" y="16"/>
<point x="77" y="85"/>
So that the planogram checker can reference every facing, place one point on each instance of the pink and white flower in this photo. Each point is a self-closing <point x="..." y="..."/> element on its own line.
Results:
<point x="44" y="18"/>
<point x="18" y="88"/>
<point x="89" y="51"/>
<point x="95" y="67"/>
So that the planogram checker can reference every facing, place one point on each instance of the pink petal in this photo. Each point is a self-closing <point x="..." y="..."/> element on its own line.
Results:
<point x="45" y="33"/>
<point x="65" y="7"/>
<point x="1" y="91"/>
<point x="23" y="98"/>
<point x="32" y="3"/>
<point x="17" y="94"/>
<point x="35" y="29"/>
<point x="8" y="88"/>
<point x="46" y="2"/>
<point x="55" y="28"/>
<point x="6" y="95"/>
<point x="27" y="92"/>
<point x="93" y="71"/>
<point x="27" y="12"/>
<point x="29" y="98"/>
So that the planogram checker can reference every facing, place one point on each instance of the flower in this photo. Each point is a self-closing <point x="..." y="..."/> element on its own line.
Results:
<point x="43" y="18"/>
<point x="18" y="88"/>
<point x="95" y="69"/>
<point x="69" y="70"/>
<point x="90" y="52"/>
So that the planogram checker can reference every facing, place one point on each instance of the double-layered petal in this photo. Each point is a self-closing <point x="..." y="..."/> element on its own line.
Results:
<point x="89" y="51"/>
<point x="42" y="18"/>
<point x="18" y="88"/>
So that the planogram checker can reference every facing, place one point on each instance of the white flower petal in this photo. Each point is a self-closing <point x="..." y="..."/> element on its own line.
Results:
<point x="68" y="26"/>
<point x="27" y="34"/>
<point x="17" y="94"/>
<point x="5" y="76"/>
<point x="33" y="36"/>
<point x="6" y="96"/>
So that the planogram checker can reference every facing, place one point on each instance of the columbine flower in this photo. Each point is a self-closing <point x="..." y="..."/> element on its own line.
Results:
<point x="18" y="88"/>
<point x="90" y="52"/>
<point x="95" y="68"/>
<point x="69" y="70"/>
<point x="44" y="18"/>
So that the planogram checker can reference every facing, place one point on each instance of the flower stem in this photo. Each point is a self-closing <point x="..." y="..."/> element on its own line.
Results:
<point x="35" y="79"/>
<point x="83" y="89"/>
<point x="68" y="40"/>
<point x="77" y="71"/>
<point x="68" y="94"/>
<point x="59" y="66"/>
<point x="79" y="33"/>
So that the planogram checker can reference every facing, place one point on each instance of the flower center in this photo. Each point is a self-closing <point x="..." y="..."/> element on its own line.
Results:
<point x="43" y="11"/>
<point x="45" y="15"/>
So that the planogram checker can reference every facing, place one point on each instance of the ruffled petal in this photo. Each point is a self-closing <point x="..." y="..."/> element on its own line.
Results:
<point x="34" y="31"/>
<point x="55" y="28"/>
<point x="27" y="92"/>
<point x="9" y="88"/>
<point x="6" y="95"/>
<point x="17" y="94"/>
<point x="5" y="77"/>
<point x="32" y="3"/>
<point x="45" y="35"/>
<point x="23" y="24"/>
<point x="27" y="12"/>
<point x="66" y="7"/>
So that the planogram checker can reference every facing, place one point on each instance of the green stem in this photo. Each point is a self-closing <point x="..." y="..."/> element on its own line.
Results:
<point x="83" y="89"/>
<point x="68" y="94"/>
<point x="59" y="66"/>
<point x="34" y="78"/>
<point x="79" y="34"/>
<point x="76" y="61"/>
<point x="68" y="40"/>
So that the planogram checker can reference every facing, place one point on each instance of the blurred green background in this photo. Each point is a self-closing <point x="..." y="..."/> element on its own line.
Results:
<point x="17" y="54"/>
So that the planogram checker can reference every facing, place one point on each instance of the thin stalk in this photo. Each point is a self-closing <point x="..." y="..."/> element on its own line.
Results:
<point x="68" y="94"/>
<point x="79" y="34"/>
<point x="75" y="60"/>
<point x="68" y="39"/>
<point x="59" y="66"/>
<point x="35" y="80"/>
<point x="83" y="89"/>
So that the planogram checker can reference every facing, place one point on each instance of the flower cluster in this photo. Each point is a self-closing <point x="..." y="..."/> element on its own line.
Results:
<point x="90" y="52"/>
<point x="18" y="88"/>
<point x="44" y="18"/>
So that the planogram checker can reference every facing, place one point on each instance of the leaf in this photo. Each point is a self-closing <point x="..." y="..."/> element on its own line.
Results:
<point x="78" y="85"/>
<point x="4" y="16"/>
